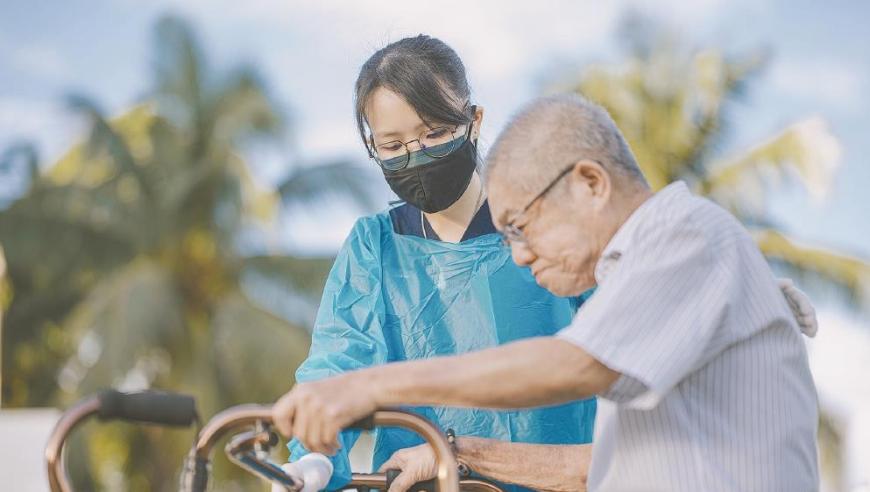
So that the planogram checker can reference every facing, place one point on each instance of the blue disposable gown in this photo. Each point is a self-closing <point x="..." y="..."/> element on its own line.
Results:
<point x="392" y="297"/>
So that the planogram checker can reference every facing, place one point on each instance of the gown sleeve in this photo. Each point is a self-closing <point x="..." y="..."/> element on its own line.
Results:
<point x="348" y="331"/>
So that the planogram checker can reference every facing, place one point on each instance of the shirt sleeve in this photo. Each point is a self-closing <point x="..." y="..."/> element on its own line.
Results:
<point x="348" y="333"/>
<point x="657" y="316"/>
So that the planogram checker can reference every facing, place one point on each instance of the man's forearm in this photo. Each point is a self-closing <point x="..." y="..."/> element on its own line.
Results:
<point x="535" y="466"/>
<point x="533" y="372"/>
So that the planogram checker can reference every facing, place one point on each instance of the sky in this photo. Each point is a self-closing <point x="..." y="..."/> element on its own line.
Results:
<point x="310" y="52"/>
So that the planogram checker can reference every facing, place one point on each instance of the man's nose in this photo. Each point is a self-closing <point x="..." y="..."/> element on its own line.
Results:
<point x="522" y="254"/>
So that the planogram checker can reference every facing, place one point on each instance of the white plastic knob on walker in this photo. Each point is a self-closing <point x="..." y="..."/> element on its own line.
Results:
<point x="314" y="470"/>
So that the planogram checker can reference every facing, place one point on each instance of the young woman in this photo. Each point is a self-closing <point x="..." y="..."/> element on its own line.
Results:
<point x="431" y="277"/>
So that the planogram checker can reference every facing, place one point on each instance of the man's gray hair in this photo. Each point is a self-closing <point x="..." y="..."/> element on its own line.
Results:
<point x="551" y="133"/>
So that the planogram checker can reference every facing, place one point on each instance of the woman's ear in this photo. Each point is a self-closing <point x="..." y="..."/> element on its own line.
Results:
<point x="475" y="124"/>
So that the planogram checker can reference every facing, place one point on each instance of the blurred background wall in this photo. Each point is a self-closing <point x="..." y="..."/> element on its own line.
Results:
<point x="175" y="178"/>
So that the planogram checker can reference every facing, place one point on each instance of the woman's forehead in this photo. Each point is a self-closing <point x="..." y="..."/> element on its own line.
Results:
<point x="389" y="115"/>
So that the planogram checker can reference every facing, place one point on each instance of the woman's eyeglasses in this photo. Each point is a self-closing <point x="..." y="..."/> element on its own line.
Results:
<point x="435" y="143"/>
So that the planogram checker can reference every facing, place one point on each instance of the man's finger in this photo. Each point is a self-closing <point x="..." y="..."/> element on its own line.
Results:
<point x="402" y="483"/>
<point x="300" y="424"/>
<point x="315" y="424"/>
<point x="329" y="435"/>
<point x="314" y="431"/>
<point x="282" y="416"/>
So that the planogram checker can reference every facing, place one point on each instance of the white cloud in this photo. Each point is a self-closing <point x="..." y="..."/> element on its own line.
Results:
<point x="40" y="60"/>
<point x="316" y="48"/>
<point x="334" y="136"/>
<point x="494" y="39"/>
<point x="682" y="13"/>
<point x="303" y="232"/>
<point x="497" y="38"/>
<point x="827" y="80"/>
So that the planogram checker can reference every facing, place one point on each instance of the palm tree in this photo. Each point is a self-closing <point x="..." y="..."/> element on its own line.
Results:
<point x="671" y="104"/>
<point x="126" y="269"/>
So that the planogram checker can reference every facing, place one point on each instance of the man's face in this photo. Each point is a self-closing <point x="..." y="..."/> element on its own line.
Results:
<point x="563" y="231"/>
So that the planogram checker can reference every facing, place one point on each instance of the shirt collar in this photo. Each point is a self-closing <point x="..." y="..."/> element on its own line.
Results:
<point x="622" y="240"/>
<point x="406" y="221"/>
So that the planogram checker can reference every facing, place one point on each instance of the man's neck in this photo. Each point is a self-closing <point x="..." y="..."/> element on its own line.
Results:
<point x="633" y="199"/>
<point x="627" y="201"/>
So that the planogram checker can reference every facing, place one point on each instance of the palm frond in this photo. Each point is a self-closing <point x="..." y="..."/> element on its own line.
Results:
<point x="669" y="99"/>
<point x="123" y="319"/>
<point x="848" y="271"/>
<point x="241" y="107"/>
<point x="805" y="150"/>
<point x="181" y="74"/>
<point x="340" y="178"/>
<point x="244" y="335"/>
<point x="306" y="275"/>
<point x="104" y="137"/>
<point x="21" y="154"/>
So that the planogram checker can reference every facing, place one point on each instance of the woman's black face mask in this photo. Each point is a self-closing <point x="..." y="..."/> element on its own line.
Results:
<point x="438" y="184"/>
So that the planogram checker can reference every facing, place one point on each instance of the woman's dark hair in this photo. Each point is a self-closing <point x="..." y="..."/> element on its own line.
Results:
<point x="426" y="72"/>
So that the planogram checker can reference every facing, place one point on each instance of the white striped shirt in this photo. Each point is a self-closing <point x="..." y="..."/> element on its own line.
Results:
<point x="716" y="392"/>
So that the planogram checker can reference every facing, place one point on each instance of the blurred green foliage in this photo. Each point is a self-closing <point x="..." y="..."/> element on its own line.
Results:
<point x="124" y="265"/>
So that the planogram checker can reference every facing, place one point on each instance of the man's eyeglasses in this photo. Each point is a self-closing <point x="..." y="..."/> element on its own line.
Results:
<point x="510" y="232"/>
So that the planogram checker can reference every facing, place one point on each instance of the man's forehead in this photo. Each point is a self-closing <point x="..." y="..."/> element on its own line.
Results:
<point x="505" y="200"/>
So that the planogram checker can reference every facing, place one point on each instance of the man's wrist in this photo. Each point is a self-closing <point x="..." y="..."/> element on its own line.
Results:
<point x="464" y="469"/>
<point x="468" y="451"/>
<point x="380" y="387"/>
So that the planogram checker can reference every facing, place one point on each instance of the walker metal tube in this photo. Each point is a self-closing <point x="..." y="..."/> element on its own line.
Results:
<point x="248" y="415"/>
<point x="379" y="481"/>
<point x="148" y="407"/>
<point x="57" y="478"/>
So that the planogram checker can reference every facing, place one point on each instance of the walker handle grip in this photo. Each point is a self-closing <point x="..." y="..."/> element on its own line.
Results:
<point x="365" y="423"/>
<point x="150" y="407"/>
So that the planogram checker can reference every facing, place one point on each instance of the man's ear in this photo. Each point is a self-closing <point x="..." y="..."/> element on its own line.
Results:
<point x="595" y="179"/>
<point x="475" y="124"/>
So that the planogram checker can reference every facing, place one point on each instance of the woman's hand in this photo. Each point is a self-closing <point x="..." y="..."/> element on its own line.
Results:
<point x="417" y="464"/>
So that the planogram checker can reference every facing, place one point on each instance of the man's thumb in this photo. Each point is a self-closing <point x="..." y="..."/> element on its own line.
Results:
<point x="394" y="463"/>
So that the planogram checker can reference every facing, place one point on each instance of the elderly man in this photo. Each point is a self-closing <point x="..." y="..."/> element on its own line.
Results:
<point x="700" y="368"/>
